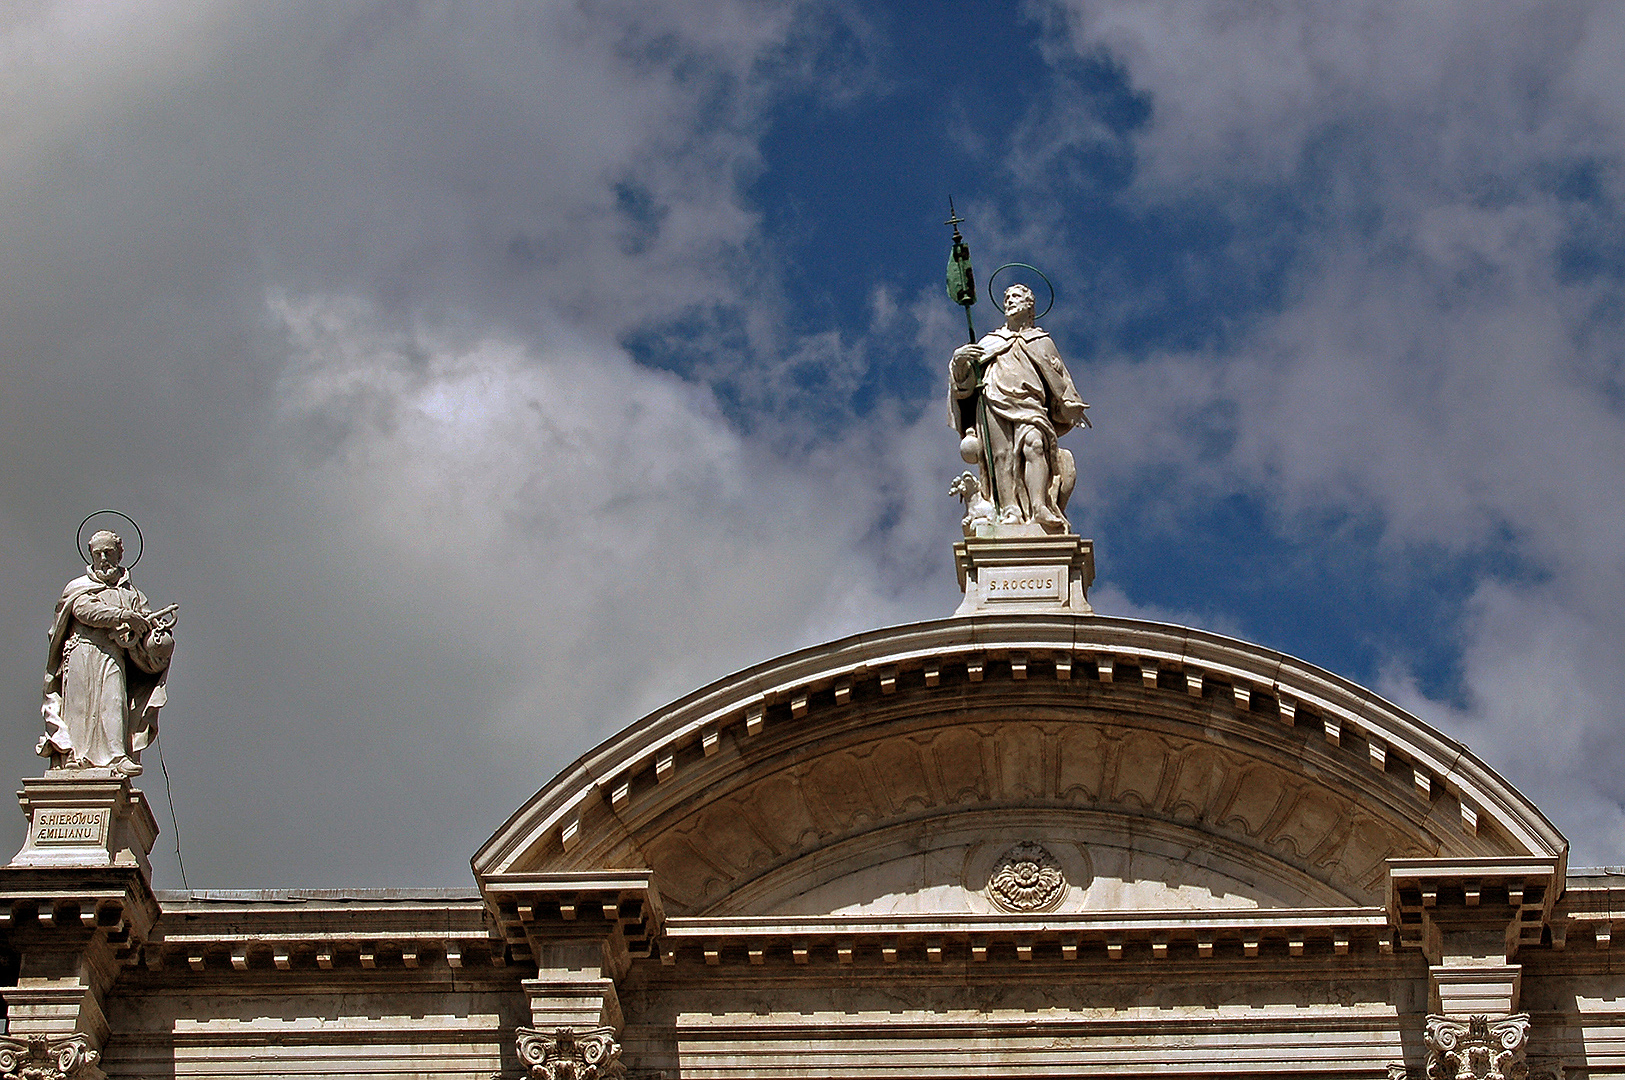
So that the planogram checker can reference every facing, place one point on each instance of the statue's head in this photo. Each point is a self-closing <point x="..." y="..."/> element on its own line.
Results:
<point x="106" y="552"/>
<point x="1019" y="303"/>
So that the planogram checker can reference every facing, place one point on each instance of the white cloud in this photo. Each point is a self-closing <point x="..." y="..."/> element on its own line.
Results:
<point x="1431" y="363"/>
<point x="569" y="510"/>
<point x="432" y="531"/>
<point x="463" y="560"/>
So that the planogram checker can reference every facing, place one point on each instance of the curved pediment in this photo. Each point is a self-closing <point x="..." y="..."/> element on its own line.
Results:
<point x="1094" y="763"/>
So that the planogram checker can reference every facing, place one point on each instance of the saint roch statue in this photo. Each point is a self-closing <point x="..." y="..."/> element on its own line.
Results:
<point x="1010" y="399"/>
<point x="104" y="676"/>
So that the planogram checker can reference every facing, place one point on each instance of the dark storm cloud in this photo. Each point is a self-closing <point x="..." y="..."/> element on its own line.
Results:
<point x="330" y="298"/>
<point x="358" y="309"/>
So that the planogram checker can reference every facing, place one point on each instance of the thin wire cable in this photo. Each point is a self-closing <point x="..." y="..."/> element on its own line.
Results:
<point x="169" y="796"/>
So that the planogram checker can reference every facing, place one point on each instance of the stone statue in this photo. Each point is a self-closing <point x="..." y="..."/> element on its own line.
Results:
<point x="104" y="676"/>
<point x="1010" y="399"/>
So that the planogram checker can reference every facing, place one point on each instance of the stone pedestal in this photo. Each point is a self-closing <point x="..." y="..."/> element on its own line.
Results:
<point x="1025" y="574"/>
<point x="74" y="930"/>
<point x="85" y="818"/>
<point x="78" y="902"/>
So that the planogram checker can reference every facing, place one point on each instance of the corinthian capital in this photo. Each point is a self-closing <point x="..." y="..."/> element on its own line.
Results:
<point x="569" y="1055"/>
<point x="1480" y="1049"/>
<point x="41" y="1058"/>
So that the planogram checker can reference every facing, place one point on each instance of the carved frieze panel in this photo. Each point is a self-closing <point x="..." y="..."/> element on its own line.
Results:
<point x="1082" y="751"/>
<point x="902" y="767"/>
<point x="733" y="841"/>
<point x="1023" y="761"/>
<point x="1313" y="821"/>
<point x="686" y="877"/>
<point x="1257" y="797"/>
<point x="853" y="789"/>
<point x="1200" y="784"/>
<point x="837" y="783"/>
<point x="1140" y="764"/>
<point x="780" y="811"/>
<point x="957" y="754"/>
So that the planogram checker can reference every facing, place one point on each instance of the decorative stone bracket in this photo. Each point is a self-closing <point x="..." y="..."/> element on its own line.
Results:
<point x="619" y="908"/>
<point x="581" y="930"/>
<point x="1486" y="908"/>
<point x="41" y="1058"/>
<point x="570" y="1055"/>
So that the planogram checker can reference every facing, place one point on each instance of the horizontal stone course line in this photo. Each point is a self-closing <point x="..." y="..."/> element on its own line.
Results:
<point x="843" y="925"/>
<point x="1199" y="1051"/>
<point x="312" y="938"/>
<point x="340" y="899"/>
<point x="359" y="1066"/>
<point x="923" y="1043"/>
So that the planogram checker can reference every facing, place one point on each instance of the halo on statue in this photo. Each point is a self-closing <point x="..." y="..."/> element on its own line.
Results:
<point x="84" y="542"/>
<point x="993" y="297"/>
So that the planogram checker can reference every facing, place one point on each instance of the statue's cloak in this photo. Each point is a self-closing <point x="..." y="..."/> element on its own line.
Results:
<point x="144" y="676"/>
<point x="1024" y="381"/>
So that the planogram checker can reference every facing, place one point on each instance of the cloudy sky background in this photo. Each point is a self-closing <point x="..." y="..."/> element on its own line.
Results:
<point x="484" y="376"/>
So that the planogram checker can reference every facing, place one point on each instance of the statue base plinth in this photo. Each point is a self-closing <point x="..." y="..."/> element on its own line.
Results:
<point x="1019" y="574"/>
<point x="86" y="817"/>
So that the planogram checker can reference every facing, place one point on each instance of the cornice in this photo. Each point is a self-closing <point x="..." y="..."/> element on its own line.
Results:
<point x="1276" y="696"/>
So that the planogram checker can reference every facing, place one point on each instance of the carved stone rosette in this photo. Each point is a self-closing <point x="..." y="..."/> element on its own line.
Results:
<point x="569" y="1055"/>
<point x="1027" y="878"/>
<point x="1480" y="1049"/>
<point x="42" y="1058"/>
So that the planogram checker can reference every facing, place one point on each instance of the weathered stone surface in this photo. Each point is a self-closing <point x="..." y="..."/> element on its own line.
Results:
<point x="85" y="818"/>
<point x="1054" y="845"/>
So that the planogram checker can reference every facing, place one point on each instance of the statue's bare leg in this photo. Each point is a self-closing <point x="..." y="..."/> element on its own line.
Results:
<point x="1035" y="455"/>
<point x="1006" y="463"/>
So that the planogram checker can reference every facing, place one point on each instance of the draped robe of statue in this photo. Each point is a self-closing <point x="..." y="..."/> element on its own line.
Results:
<point x="103" y="685"/>
<point x="1025" y="385"/>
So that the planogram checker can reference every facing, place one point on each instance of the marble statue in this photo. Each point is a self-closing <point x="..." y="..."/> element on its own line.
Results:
<point x="105" y="674"/>
<point x="1010" y="399"/>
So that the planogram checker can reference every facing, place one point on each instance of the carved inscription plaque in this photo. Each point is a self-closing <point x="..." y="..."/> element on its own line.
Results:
<point x="75" y="827"/>
<point x="1025" y="582"/>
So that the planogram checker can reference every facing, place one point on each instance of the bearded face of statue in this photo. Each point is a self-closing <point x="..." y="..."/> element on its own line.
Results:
<point x="1018" y="305"/>
<point x="106" y="552"/>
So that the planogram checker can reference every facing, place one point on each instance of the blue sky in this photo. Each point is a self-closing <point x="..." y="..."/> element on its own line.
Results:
<point x="485" y="376"/>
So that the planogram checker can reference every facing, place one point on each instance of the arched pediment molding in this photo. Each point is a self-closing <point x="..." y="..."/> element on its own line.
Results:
<point x="803" y="765"/>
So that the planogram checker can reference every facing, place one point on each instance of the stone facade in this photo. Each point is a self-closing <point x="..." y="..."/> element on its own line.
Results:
<point x="1014" y="842"/>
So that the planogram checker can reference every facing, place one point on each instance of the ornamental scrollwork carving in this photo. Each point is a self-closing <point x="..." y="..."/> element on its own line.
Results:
<point x="566" y="1054"/>
<point x="1480" y="1049"/>
<point x="1027" y="878"/>
<point x="41" y="1058"/>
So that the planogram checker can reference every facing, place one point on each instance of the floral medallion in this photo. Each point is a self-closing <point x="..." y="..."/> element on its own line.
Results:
<point x="1027" y="878"/>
